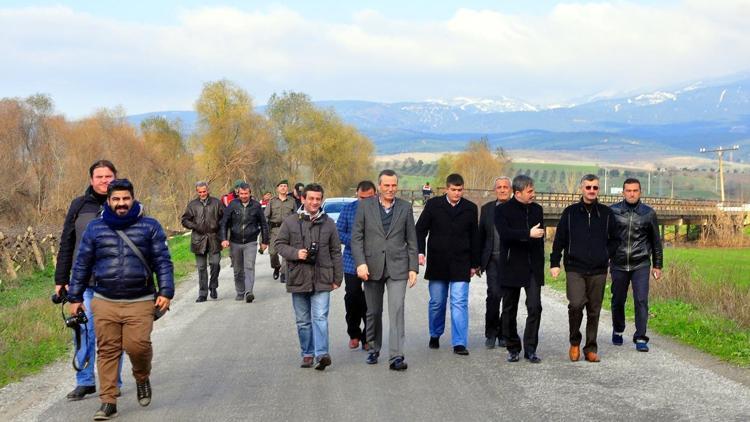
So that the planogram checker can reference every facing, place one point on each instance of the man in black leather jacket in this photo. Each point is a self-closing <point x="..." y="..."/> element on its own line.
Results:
<point x="241" y="224"/>
<point x="640" y="249"/>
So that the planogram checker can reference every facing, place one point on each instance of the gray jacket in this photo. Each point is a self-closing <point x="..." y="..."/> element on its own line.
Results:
<point x="298" y="232"/>
<point x="395" y="250"/>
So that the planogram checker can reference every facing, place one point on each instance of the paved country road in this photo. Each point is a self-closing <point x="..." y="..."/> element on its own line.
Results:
<point x="231" y="361"/>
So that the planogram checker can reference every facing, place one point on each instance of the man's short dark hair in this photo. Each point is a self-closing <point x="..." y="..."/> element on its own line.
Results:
<point x="589" y="178"/>
<point x="521" y="182"/>
<point x="365" y="185"/>
<point x="102" y="163"/>
<point x="313" y="187"/>
<point x="630" y="181"/>
<point x="244" y="186"/>
<point x="387" y="172"/>
<point x="120" y="185"/>
<point x="454" y="179"/>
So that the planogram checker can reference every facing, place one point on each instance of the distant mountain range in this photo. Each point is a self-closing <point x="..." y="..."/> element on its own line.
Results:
<point x="665" y="122"/>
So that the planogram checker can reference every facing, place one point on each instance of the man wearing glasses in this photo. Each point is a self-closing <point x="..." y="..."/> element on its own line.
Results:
<point x="587" y="234"/>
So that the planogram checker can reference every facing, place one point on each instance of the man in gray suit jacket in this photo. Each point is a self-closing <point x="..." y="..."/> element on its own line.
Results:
<point x="384" y="247"/>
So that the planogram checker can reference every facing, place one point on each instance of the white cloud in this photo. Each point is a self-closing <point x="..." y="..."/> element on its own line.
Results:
<point x="575" y="49"/>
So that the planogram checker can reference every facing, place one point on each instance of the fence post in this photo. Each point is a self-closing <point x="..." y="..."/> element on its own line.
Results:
<point x="6" y="258"/>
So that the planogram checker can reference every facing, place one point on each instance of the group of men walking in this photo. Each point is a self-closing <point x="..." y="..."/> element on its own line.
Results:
<point x="110" y="252"/>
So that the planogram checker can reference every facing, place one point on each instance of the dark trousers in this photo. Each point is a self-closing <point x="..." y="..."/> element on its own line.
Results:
<point x="492" y="319"/>
<point x="620" y="282"/>
<point x="511" y="295"/>
<point x="584" y="292"/>
<point x="202" y="262"/>
<point x="356" y="307"/>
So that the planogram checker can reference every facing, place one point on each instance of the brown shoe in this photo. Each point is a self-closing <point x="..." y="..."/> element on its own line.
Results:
<point x="307" y="362"/>
<point x="592" y="357"/>
<point x="354" y="343"/>
<point x="574" y="353"/>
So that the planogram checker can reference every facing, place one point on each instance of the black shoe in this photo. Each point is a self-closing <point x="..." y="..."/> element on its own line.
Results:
<point x="460" y="350"/>
<point x="512" y="357"/>
<point x="239" y="297"/>
<point x="372" y="358"/>
<point x="213" y="293"/>
<point x="106" y="412"/>
<point x="324" y="361"/>
<point x="80" y="392"/>
<point x="500" y="342"/>
<point x="275" y="273"/>
<point x="532" y="358"/>
<point x="144" y="392"/>
<point x="489" y="343"/>
<point x="249" y="297"/>
<point x="434" y="342"/>
<point x="283" y="278"/>
<point x="398" y="364"/>
<point x="200" y="299"/>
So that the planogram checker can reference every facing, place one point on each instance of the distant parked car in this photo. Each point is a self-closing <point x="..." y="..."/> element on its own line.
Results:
<point x="333" y="206"/>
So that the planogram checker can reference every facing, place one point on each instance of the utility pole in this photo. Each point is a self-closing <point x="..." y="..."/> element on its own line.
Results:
<point x="720" y="153"/>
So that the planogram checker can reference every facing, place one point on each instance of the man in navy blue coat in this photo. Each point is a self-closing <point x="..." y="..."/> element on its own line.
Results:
<point x="122" y="250"/>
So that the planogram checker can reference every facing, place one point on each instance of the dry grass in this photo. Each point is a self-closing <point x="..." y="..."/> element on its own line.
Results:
<point x="722" y="298"/>
<point x="724" y="230"/>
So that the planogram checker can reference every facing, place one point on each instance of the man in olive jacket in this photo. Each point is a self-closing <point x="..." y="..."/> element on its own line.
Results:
<point x="520" y="223"/>
<point x="310" y="244"/>
<point x="203" y="216"/>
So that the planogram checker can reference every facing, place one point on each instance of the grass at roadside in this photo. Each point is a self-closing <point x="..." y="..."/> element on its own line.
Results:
<point x="714" y="265"/>
<point x="32" y="333"/>
<point x="690" y="323"/>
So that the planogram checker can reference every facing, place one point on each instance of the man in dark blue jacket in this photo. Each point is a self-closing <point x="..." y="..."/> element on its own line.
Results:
<point x="241" y="224"/>
<point x="122" y="250"/>
<point x="588" y="235"/>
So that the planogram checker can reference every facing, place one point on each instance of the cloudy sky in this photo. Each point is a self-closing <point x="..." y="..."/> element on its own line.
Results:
<point x="155" y="55"/>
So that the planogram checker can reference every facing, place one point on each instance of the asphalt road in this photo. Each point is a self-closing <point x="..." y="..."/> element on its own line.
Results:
<point x="230" y="361"/>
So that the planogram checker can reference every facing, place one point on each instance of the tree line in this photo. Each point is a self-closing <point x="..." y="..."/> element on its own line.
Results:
<point x="45" y="157"/>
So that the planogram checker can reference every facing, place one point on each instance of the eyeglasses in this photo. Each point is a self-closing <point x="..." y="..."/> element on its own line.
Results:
<point x="591" y="187"/>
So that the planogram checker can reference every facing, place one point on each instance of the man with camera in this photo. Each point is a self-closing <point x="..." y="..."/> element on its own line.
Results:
<point x="82" y="210"/>
<point x="310" y="244"/>
<point x="279" y="207"/>
<point x="122" y="250"/>
<point x="241" y="224"/>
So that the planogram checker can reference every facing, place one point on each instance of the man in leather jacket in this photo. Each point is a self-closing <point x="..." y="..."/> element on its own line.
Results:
<point x="203" y="215"/>
<point x="243" y="221"/>
<point x="640" y="249"/>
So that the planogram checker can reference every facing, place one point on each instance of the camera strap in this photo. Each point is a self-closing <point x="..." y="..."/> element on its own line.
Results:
<point x="136" y="251"/>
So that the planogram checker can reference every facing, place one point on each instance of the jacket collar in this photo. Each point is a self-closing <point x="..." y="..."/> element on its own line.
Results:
<point x="115" y="222"/>
<point x="594" y="206"/>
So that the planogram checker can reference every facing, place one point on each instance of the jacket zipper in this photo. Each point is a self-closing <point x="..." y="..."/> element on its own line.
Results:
<point x="627" y="250"/>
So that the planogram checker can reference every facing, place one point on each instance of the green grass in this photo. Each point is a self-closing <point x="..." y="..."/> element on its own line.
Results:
<point x="32" y="333"/>
<point x="720" y="337"/>
<point x="719" y="265"/>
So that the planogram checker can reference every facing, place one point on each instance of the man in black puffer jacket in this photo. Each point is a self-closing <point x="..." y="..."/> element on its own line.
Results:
<point x="124" y="289"/>
<point x="81" y="211"/>
<point x="588" y="235"/>
<point x="241" y="224"/>
<point x="640" y="244"/>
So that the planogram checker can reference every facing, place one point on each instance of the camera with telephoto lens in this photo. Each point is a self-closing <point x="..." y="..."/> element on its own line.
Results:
<point x="312" y="253"/>
<point x="76" y="320"/>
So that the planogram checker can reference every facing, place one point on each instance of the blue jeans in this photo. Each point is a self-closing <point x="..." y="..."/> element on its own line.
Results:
<point x="311" y="313"/>
<point x="86" y="377"/>
<point x="459" y="293"/>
